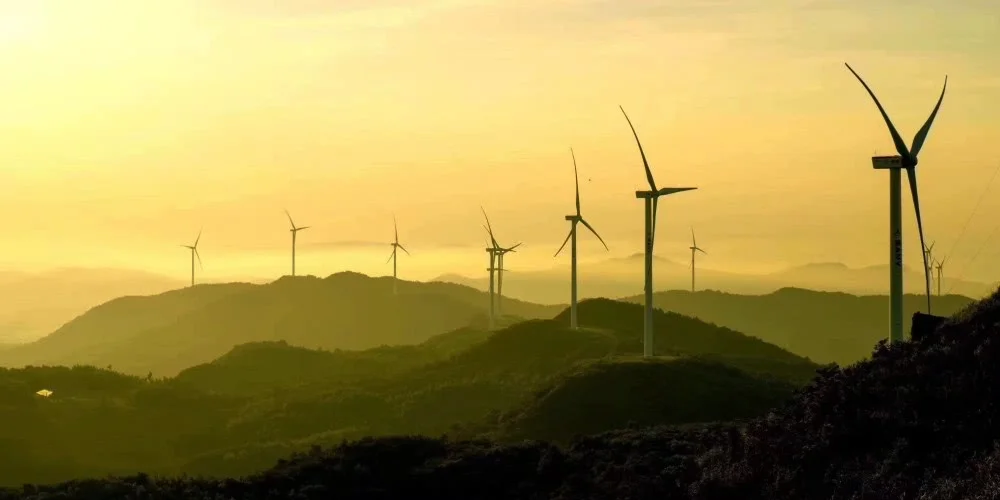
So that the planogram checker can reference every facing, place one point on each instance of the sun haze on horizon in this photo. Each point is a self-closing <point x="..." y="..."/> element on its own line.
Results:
<point x="126" y="129"/>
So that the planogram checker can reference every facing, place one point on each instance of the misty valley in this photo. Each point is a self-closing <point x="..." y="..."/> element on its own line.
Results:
<point x="394" y="377"/>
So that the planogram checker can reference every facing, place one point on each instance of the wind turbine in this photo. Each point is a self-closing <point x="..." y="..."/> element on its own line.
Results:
<point x="907" y="159"/>
<point x="650" y="198"/>
<point x="496" y="265"/>
<point x="500" y="270"/>
<point x="491" y="249"/>
<point x="395" y="244"/>
<point x="194" y="253"/>
<point x="694" y="248"/>
<point x="574" y="220"/>
<point x="929" y="263"/>
<point x="939" y="267"/>
<point x="294" y="230"/>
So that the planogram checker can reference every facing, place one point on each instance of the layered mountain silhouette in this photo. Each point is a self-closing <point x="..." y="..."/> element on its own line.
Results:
<point x="622" y="277"/>
<point x="261" y="401"/>
<point x="34" y="304"/>
<point x="917" y="420"/>
<point x="827" y="327"/>
<point x="168" y="332"/>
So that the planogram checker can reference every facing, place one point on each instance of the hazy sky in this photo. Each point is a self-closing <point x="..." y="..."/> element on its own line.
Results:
<point x="127" y="125"/>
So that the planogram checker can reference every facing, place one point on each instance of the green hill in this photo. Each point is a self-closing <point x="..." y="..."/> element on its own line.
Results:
<point x="261" y="367"/>
<point x="827" y="327"/>
<point x="262" y="401"/>
<point x="167" y="333"/>
<point x="614" y="395"/>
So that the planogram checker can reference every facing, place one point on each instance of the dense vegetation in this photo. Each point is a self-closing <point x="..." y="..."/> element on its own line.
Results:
<point x="263" y="401"/>
<point x="917" y="420"/>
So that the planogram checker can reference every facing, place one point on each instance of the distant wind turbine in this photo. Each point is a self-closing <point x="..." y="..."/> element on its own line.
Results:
<point x="496" y="266"/>
<point x="395" y="244"/>
<point x="194" y="253"/>
<point x="929" y="262"/>
<point x="650" y="197"/>
<point x="939" y="267"/>
<point x="491" y="249"/>
<point x="907" y="159"/>
<point x="574" y="220"/>
<point x="694" y="248"/>
<point x="294" y="230"/>
<point x="500" y="270"/>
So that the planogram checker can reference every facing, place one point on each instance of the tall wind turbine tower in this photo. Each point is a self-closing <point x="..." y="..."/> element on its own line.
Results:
<point x="496" y="266"/>
<point x="575" y="219"/>
<point x="650" y="198"/>
<point x="939" y="267"/>
<point x="492" y="249"/>
<point x="906" y="160"/>
<point x="500" y="252"/>
<point x="194" y="253"/>
<point x="294" y="230"/>
<point x="929" y="262"/>
<point x="694" y="248"/>
<point x="395" y="245"/>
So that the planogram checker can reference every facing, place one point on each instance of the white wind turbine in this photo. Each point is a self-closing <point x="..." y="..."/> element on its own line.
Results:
<point x="194" y="253"/>
<point x="395" y="244"/>
<point x="694" y="248"/>
<point x="574" y="220"/>
<point x="294" y="230"/>
<point x="650" y="197"/>
<point x="906" y="160"/>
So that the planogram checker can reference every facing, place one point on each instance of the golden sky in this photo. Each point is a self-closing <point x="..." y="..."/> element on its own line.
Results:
<point x="126" y="126"/>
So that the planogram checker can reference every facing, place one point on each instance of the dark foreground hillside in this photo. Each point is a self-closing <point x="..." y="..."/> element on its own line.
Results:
<point x="916" y="421"/>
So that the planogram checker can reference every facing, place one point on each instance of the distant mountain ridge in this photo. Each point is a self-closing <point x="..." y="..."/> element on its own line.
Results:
<point x="622" y="277"/>
<point x="33" y="304"/>
<point x="171" y="331"/>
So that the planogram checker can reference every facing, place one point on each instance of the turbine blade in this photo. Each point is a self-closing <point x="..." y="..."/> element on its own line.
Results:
<point x="492" y="242"/>
<point x="511" y="249"/>
<point x="393" y="254"/>
<point x="196" y="240"/>
<point x="198" y="255"/>
<point x="918" y="140"/>
<point x="290" y="219"/>
<point x="395" y="229"/>
<point x="585" y="223"/>
<point x="403" y="249"/>
<point x="564" y="243"/>
<point x="700" y="250"/>
<point x="694" y="242"/>
<point x="896" y="139"/>
<point x="489" y="228"/>
<point x="576" y="180"/>
<point x="301" y="228"/>
<point x="911" y="175"/>
<point x="649" y="174"/>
